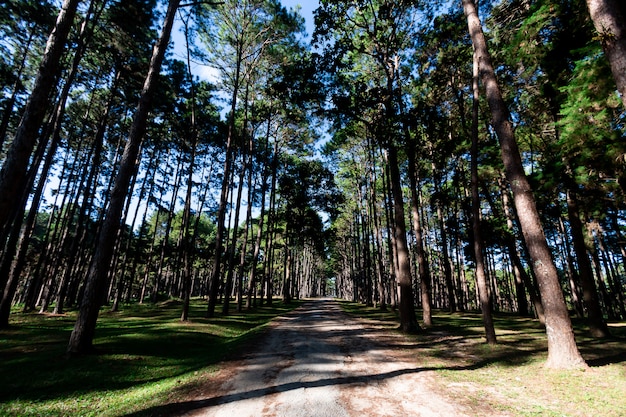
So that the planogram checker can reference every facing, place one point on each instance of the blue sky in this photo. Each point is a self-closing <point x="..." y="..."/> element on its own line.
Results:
<point x="307" y="7"/>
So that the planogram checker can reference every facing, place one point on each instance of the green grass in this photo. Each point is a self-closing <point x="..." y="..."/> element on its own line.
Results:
<point x="510" y="377"/>
<point x="145" y="358"/>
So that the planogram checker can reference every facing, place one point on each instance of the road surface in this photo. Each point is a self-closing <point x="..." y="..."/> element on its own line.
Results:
<point x="316" y="362"/>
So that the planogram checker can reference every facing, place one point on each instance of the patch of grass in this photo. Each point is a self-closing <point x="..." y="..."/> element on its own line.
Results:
<point x="510" y="377"/>
<point x="145" y="356"/>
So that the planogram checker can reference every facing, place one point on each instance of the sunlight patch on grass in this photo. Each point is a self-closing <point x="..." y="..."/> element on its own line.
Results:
<point x="510" y="377"/>
<point x="144" y="355"/>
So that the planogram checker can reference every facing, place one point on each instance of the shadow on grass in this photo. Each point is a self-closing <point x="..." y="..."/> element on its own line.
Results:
<point x="357" y="341"/>
<point x="138" y="345"/>
<point x="460" y="336"/>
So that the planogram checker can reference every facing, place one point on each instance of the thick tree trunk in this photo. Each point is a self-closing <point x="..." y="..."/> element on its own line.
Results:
<point x="13" y="173"/>
<point x="562" y="349"/>
<point x="609" y="20"/>
<point x="81" y="339"/>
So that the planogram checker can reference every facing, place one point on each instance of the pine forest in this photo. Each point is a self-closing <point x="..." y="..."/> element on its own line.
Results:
<point x="410" y="156"/>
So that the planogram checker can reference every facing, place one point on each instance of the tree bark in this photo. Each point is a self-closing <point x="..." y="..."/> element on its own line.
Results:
<point x="13" y="175"/>
<point x="562" y="349"/>
<point x="481" y="282"/>
<point x="423" y="268"/>
<point x="408" y="320"/>
<point x="608" y="19"/>
<point x="81" y="339"/>
<point x="528" y="282"/>
<point x="597" y="325"/>
<point x="259" y="235"/>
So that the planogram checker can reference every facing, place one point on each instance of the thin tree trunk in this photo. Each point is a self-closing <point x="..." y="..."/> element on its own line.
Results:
<point x="257" y="247"/>
<point x="17" y="85"/>
<point x="408" y="320"/>
<point x="188" y="245"/>
<point x="445" y="261"/>
<point x="597" y="325"/>
<point x="481" y="282"/>
<point x="233" y="243"/>
<point x="422" y="262"/>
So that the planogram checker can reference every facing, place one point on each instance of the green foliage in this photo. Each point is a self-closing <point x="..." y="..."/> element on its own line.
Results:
<point x="591" y="138"/>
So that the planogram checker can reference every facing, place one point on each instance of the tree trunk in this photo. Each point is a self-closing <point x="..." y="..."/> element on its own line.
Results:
<point x="259" y="235"/>
<point x="288" y="260"/>
<point x="562" y="349"/>
<point x="481" y="282"/>
<point x="422" y="262"/>
<point x="188" y="246"/>
<point x="535" y="298"/>
<point x="597" y="325"/>
<point x="408" y="320"/>
<point x="13" y="174"/>
<point x="221" y="211"/>
<point x="81" y="339"/>
<point x="228" y="287"/>
<point x="608" y="19"/>
<point x="445" y="261"/>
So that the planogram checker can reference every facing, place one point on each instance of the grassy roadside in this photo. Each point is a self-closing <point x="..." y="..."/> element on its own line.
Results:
<point x="146" y="358"/>
<point x="510" y="378"/>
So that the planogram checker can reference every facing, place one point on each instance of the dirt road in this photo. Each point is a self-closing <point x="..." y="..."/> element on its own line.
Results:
<point x="319" y="362"/>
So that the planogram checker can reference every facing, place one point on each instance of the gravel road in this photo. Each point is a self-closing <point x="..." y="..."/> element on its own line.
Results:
<point x="317" y="361"/>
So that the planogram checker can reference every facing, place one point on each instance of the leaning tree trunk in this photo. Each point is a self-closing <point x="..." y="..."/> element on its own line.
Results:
<point x="562" y="349"/>
<point x="14" y="170"/>
<point x="528" y="282"/>
<point x="81" y="339"/>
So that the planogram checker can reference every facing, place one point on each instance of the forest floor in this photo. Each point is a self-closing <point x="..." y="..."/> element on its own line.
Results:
<point x="319" y="361"/>
<point x="307" y="358"/>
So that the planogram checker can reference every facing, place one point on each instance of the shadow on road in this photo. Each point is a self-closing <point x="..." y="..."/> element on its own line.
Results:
<point x="183" y="407"/>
